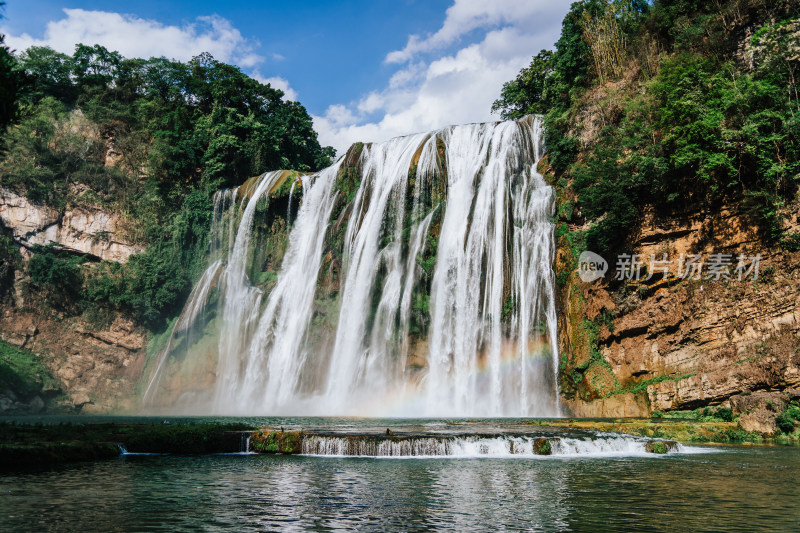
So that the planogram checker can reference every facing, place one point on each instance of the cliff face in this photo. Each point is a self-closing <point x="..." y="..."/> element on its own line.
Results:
<point x="627" y="348"/>
<point x="82" y="228"/>
<point x="96" y="360"/>
<point x="97" y="368"/>
<point x="633" y="348"/>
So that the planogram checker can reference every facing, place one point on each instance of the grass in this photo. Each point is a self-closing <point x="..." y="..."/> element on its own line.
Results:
<point x="642" y="386"/>
<point x="682" y="430"/>
<point x="23" y="372"/>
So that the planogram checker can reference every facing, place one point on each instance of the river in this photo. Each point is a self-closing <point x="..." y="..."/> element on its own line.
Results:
<point x="707" y="488"/>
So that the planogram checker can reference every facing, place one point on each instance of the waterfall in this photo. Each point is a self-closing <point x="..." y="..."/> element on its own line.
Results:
<point x="415" y="279"/>
<point x="479" y="446"/>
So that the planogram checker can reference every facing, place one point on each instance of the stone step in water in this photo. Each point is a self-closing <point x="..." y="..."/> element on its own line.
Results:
<point x="453" y="445"/>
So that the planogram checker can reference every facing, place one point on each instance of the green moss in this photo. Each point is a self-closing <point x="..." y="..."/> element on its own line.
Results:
<point x="180" y="438"/>
<point x="23" y="372"/>
<point x="659" y="447"/>
<point x="272" y="441"/>
<point x="642" y="385"/>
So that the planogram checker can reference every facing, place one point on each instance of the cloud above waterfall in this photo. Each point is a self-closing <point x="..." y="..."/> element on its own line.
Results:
<point x="449" y="73"/>
<point x="465" y="16"/>
<point x="133" y="36"/>
<point x="451" y="76"/>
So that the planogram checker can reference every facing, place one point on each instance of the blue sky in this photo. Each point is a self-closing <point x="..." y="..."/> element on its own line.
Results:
<point x="365" y="70"/>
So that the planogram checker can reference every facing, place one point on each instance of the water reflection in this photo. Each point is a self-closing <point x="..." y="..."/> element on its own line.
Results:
<point x="732" y="490"/>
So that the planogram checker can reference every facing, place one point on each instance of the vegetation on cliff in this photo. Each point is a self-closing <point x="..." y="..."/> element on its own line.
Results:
<point x="672" y="104"/>
<point x="25" y="383"/>
<point x="665" y="108"/>
<point x="151" y="139"/>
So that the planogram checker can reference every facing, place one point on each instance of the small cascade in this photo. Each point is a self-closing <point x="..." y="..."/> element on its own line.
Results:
<point x="413" y="277"/>
<point x="479" y="446"/>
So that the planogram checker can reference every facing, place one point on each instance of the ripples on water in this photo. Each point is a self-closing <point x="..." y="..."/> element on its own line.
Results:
<point x="734" y="489"/>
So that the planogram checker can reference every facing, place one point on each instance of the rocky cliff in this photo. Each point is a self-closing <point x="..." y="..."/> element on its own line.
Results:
<point x="96" y="357"/>
<point x="630" y="348"/>
<point x="80" y="228"/>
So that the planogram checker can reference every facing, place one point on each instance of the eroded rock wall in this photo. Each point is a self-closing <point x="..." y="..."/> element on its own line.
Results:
<point x="83" y="228"/>
<point x="630" y="348"/>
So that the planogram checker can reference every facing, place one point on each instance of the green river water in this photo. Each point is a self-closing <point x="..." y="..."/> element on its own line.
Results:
<point x="702" y="489"/>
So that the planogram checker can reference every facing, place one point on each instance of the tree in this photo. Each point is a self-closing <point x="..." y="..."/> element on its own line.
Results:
<point x="12" y="83"/>
<point x="527" y="92"/>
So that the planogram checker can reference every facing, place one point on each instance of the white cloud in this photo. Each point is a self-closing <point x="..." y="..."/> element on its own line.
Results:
<point x="276" y="82"/>
<point x="465" y="16"/>
<point x="454" y="88"/>
<point x="136" y="37"/>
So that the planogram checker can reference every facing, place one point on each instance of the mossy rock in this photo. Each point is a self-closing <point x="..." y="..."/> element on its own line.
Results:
<point x="661" y="446"/>
<point x="542" y="446"/>
<point x="271" y="441"/>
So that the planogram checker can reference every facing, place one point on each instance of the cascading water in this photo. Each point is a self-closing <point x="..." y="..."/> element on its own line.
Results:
<point x="481" y="446"/>
<point x="416" y="280"/>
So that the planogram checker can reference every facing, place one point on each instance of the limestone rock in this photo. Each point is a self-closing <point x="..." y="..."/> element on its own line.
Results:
<point x="80" y="399"/>
<point x="82" y="229"/>
<point x="541" y="446"/>
<point x="759" y="421"/>
<point x="769" y="401"/>
<point x="691" y="343"/>
<point x="661" y="446"/>
<point x="105" y="363"/>
<point x="616" y="406"/>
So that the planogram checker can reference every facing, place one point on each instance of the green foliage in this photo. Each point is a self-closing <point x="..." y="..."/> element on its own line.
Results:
<point x="705" y="414"/>
<point x="56" y="275"/>
<point x="22" y="372"/>
<point x="642" y="385"/>
<point x="153" y="284"/>
<point x="8" y="263"/>
<point x="267" y="441"/>
<point x="785" y="423"/>
<point x="527" y="93"/>
<point x="787" y="420"/>
<point x="179" y="131"/>
<point x="197" y="125"/>
<point x="13" y="82"/>
<point x="725" y="414"/>
<point x="696" y="128"/>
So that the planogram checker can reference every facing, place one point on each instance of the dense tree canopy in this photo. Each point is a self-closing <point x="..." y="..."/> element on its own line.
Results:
<point x="205" y="123"/>
<point x="12" y="83"/>
<point x="151" y="139"/>
<point x="670" y="103"/>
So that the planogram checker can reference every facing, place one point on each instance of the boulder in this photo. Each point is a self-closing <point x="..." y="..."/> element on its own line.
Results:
<point x="770" y="401"/>
<point x="661" y="446"/>
<point x="541" y="446"/>
<point x="759" y="421"/>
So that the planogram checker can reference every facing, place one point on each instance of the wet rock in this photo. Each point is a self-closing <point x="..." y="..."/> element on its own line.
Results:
<point x="36" y="405"/>
<point x="542" y="446"/>
<point x="271" y="441"/>
<point x="80" y="399"/>
<point x="661" y="446"/>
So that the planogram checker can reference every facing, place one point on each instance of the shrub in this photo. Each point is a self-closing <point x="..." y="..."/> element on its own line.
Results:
<point x="785" y="423"/>
<point x="725" y="413"/>
<point x="56" y="275"/>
